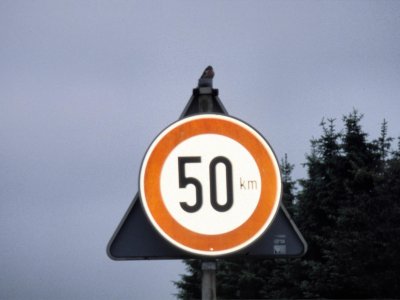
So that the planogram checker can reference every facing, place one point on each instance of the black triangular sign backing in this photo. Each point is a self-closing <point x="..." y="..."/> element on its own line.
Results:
<point x="135" y="238"/>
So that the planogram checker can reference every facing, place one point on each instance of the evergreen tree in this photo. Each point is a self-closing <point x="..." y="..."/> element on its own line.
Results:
<point x="386" y="268"/>
<point x="351" y="256"/>
<point x="342" y="212"/>
<point x="383" y="145"/>
<point x="318" y="210"/>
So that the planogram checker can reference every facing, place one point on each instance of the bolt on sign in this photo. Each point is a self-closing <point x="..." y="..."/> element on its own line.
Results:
<point x="210" y="184"/>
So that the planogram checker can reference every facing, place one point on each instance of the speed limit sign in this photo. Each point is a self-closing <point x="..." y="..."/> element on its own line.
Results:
<point x="210" y="184"/>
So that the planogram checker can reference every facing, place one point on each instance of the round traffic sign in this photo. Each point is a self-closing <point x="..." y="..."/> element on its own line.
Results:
<point x="210" y="184"/>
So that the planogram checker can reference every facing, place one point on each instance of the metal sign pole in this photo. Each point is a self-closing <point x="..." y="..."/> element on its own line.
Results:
<point x="208" y="280"/>
<point x="208" y="267"/>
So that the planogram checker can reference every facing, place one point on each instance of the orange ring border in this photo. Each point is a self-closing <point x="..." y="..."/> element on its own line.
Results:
<point x="187" y="239"/>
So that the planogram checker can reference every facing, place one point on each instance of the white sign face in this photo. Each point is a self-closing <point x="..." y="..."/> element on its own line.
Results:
<point x="210" y="184"/>
<point x="245" y="184"/>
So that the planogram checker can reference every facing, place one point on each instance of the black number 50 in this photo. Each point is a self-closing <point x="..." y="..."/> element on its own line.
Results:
<point x="185" y="180"/>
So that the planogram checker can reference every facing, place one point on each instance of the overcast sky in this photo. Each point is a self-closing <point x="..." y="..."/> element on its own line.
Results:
<point x="85" y="86"/>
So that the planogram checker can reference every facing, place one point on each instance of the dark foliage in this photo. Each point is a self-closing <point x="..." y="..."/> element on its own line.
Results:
<point x="348" y="209"/>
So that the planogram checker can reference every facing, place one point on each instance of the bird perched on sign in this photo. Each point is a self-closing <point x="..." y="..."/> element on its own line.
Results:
<point x="207" y="77"/>
<point x="208" y="73"/>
